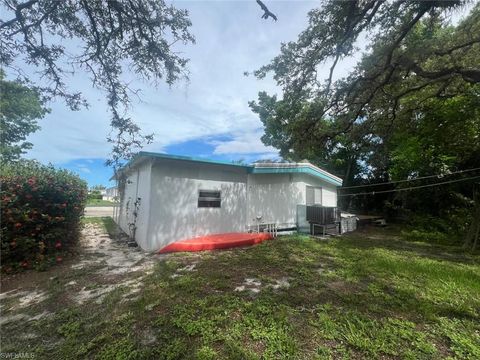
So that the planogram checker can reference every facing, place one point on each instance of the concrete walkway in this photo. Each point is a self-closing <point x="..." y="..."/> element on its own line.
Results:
<point x="98" y="211"/>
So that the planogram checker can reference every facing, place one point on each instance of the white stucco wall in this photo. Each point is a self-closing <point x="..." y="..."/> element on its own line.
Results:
<point x="329" y="196"/>
<point x="169" y="191"/>
<point x="124" y="214"/>
<point x="138" y="184"/>
<point x="275" y="196"/>
<point x="329" y="191"/>
<point x="174" y="212"/>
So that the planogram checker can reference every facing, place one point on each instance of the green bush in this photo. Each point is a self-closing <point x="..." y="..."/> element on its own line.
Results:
<point x="40" y="214"/>
<point x="448" y="228"/>
<point x="435" y="237"/>
<point x="95" y="196"/>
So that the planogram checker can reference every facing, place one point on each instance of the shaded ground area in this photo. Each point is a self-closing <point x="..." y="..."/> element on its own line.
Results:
<point x="366" y="295"/>
<point x="98" y="211"/>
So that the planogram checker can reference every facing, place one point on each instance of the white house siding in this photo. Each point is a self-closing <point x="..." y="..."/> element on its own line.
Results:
<point x="275" y="196"/>
<point x="124" y="214"/>
<point x="137" y="186"/>
<point x="329" y="196"/>
<point x="329" y="191"/>
<point x="174" y="212"/>
<point x="169" y="190"/>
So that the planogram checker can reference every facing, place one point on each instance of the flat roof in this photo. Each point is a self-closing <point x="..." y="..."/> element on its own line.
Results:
<point x="191" y="158"/>
<point x="303" y="168"/>
<point x="255" y="168"/>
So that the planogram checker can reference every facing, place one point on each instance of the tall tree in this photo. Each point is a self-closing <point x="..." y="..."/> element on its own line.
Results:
<point x="409" y="107"/>
<point x="20" y="108"/>
<point x="413" y="54"/>
<point x="109" y="36"/>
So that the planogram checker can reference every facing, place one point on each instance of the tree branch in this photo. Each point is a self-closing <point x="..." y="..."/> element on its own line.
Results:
<point x="18" y="13"/>
<point x="267" y="13"/>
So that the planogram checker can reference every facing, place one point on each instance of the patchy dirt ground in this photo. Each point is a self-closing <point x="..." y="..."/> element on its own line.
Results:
<point x="102" y="265"/>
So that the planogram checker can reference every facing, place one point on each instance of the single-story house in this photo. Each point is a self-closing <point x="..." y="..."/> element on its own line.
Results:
<point x="167" y="198"/>
<point x="110" y="194"/>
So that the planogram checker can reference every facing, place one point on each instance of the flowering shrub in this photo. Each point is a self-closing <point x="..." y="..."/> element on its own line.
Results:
<point x="40" y="214"/>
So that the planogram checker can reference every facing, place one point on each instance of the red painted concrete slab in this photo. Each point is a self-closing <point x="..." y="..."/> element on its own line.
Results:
<point x="216" y="241"/>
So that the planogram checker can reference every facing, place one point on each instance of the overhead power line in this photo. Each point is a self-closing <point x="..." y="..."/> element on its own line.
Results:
<point x="409" y="188"/>
<point x="410" y="180"/>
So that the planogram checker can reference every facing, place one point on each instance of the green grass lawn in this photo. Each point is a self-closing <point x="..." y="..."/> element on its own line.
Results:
<point x="97" y="202"/>
<point x="364" y="296"/>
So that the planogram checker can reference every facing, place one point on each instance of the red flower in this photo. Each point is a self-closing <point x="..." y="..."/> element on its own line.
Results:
<point x="18" y="225"/>
<point x="59" y="259"/>
<point x="58" y="244"/>
<point x="24" y="264"/>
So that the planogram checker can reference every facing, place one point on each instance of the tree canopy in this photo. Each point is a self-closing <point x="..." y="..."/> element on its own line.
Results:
<point x="20" y="108"/>
<point x="414" y="56"/>
<point x="107" y="37"/>
<point x="409" y="108"/>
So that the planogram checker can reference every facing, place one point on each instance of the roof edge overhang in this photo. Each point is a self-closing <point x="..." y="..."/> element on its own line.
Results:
<point x="144" y="155"/>
<point x="258" y="168"/>
<point x="130" y="165"/>
<point x="303" y="168"/>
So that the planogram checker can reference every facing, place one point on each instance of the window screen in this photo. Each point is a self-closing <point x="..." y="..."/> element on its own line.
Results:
<point x="314" y="195"/>
<point x="209" y="198"/>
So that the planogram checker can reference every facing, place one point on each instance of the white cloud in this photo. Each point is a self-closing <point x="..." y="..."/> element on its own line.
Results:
<point x="231" y="38"/>
<point x="245" y="143"/>
<point x="84" y="168"/>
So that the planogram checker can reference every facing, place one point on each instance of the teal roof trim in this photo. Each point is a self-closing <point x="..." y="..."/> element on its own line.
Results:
<point x="252" y="169"/>
<point x="190" y="158"/>
<point x="300" y="169"/>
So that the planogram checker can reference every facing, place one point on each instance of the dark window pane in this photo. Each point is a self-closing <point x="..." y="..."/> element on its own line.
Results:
<point x="209" y="198"/>
<point x="206" y="203"/>
<point x="209" y="194"/>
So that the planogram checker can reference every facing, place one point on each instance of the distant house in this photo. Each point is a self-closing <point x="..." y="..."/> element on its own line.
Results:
<point x="166" y="198"/>
<point x="110" y="194"/>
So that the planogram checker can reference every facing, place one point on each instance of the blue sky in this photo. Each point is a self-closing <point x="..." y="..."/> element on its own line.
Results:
<point x="208" y="116"/>
<point x="95" y="172"/>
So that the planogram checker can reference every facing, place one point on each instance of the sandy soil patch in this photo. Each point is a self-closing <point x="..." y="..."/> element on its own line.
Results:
<point x="102" y="265"/>
<point x="254" y="285"/>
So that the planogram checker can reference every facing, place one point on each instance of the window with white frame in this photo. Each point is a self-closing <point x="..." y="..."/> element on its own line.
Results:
<point x="209" y="198"/>
<point x="314" y="195"/>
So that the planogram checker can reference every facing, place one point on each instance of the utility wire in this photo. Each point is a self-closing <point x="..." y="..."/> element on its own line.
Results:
<point x="409" y="180"/>
<point x="410" y="188"/>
